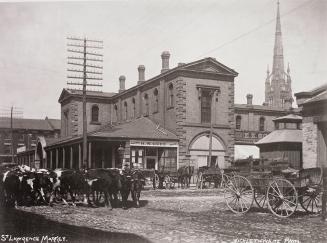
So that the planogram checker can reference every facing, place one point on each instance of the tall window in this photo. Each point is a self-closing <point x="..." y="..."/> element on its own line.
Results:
<point x="156" y="101"/>
<point x="262" y="124"/>
<point x="116" y="111"/>
<point x="125" y="111"/>
<point x="133" y="108"/>
<point x="205" y="106"/>
<point x="146" y="105"/>
<point x="170" y="95"/>
<point x="66" y="119"/>
<point x="238" y="122"/>
<point x="95" y="113"/>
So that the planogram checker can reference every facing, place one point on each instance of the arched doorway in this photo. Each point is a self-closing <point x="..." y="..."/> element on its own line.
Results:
<point x="199" y="151"/>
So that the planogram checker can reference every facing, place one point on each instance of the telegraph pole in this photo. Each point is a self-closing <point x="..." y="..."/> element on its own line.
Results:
<point x="88" y="57"/>
<point x="17" y="112"/>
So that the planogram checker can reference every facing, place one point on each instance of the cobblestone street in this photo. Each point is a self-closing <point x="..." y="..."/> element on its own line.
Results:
<point x="189" y="216"/>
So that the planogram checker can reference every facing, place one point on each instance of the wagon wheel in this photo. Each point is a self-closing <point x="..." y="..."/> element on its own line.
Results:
<point x="282" y="198"/>
<point x="238" y="194"/>
<point x="155" y="181"/>
<point x="260" y="197"/>
<point x="310" y="199"/>
<point x="199" y="182"/>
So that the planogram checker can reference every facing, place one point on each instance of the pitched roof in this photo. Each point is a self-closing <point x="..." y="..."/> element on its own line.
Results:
<point x="90" y="94"/>
<point x="31" y="124"/>
<point x="289" y="118"/>
<point x="313" y="92"/>
<point x="320" y="97"/>
<point x="282" y="136"/>
<point x="141" y="128"/>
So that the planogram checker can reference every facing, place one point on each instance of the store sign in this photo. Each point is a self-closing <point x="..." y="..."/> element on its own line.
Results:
<point x="21" y="149"/>
<point x="152" y="143"/>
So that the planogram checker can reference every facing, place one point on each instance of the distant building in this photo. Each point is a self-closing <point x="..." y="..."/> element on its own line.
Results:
<point x="253" y="122"/>
<point x="25" y="133"/>
<point x="278" y="88"/>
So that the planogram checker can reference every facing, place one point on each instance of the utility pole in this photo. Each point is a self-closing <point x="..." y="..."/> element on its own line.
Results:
<point x="14" y="113"/>
<point x="83" y="47"/>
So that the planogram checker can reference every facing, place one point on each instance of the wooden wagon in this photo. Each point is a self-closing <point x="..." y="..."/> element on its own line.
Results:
<point x="281" y="191"/>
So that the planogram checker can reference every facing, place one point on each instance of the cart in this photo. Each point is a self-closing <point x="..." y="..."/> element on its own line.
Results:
<point x="280" y="192"/>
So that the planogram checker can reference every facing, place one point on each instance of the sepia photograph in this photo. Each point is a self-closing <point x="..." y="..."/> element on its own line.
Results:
<point x="157" y="121"/>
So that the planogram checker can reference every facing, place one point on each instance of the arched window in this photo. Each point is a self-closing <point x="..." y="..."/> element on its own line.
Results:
<point x="156" y="100"/>
<point x="170" y="95"/>
<point x="146" y="105"/>
<point x="261" y="124"/>
<point x="133" y="108"/>
<point x="95" y="113"/>
<point x="238" y="122"/>
<point x="125" y="111"/>
<point x="116" y="111"/>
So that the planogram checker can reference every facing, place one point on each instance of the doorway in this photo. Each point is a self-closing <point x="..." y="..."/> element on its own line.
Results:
<point x="151" y="162"/>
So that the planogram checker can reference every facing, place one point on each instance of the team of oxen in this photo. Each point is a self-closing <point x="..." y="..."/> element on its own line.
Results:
<point x="22" y="185"/>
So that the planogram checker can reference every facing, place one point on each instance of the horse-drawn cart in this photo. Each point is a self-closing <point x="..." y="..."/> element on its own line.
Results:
<point x="281" y="193"/>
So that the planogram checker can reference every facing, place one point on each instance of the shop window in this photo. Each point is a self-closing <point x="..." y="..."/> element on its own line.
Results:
<point x="95" y="113"/>
<point x="156" y="101"/>
<point x="146" y="105"/>
<point x="261" y="124"/>
<point x="125" y="111"/>
<point x="238" y="122"/>
<point x="137" y="155"/>
<point x="133" y="108"/>
<point x="167" y="159"/>
<point x="170" y="95"/>
<point x="205" y="106"/>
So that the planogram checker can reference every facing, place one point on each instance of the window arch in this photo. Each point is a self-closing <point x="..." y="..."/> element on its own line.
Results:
<point x="238" y="122"/>
<point x="133" y="108"/>
<point x="156" y="100"/>
<point x="170" y="95"/>
<point x="95" y="113"/>
<point x="125" y="111"/>
<point x="146" y="105"/>
<point x="261" y="124"/>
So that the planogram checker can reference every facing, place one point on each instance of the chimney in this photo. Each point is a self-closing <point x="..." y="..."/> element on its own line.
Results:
<point x="249" y="99"/>
<point x="122" y="79"/>
<point x="141" y="70"/>
<point x="165" y="61"/>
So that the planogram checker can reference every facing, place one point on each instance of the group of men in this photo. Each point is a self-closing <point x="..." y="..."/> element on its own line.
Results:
<point x="22" y="185"/>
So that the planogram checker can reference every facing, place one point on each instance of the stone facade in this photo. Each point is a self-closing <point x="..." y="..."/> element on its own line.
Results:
<point x="171" y="99"/>
<point x="310" y="143"/>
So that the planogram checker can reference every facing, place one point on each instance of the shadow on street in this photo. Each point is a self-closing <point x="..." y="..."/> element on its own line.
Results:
<point x="16" y="223"/>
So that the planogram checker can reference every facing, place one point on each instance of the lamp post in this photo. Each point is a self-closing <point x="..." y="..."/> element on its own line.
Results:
<point x="121" y="151"/>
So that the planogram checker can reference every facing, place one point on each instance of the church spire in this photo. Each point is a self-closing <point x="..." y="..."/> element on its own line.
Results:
<point x="278" y="61"/>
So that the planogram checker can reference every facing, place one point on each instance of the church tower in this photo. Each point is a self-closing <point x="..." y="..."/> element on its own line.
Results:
<point x="278" y="90"/>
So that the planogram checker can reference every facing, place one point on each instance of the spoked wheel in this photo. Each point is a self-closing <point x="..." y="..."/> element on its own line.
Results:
<point x="310" y="199"/>
<point x="282" y="198"/>
<point x="260" y="197"/>
<point x="238" y="194"/>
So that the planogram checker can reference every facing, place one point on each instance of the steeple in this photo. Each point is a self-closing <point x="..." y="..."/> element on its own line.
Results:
<point x="278" y="88"/>
<point x="278" y="61"/>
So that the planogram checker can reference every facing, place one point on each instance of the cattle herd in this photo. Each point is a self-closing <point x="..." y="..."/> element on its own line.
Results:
<point x="22" y="185"/>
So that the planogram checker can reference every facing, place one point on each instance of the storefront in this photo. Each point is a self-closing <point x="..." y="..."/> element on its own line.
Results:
<point x="154" y="155"/>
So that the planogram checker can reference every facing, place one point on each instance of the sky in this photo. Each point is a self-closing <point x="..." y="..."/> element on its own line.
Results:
<point x="238" y="33"/>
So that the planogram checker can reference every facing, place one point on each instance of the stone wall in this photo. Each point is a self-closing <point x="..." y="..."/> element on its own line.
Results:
<point x="310" y="140"/>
